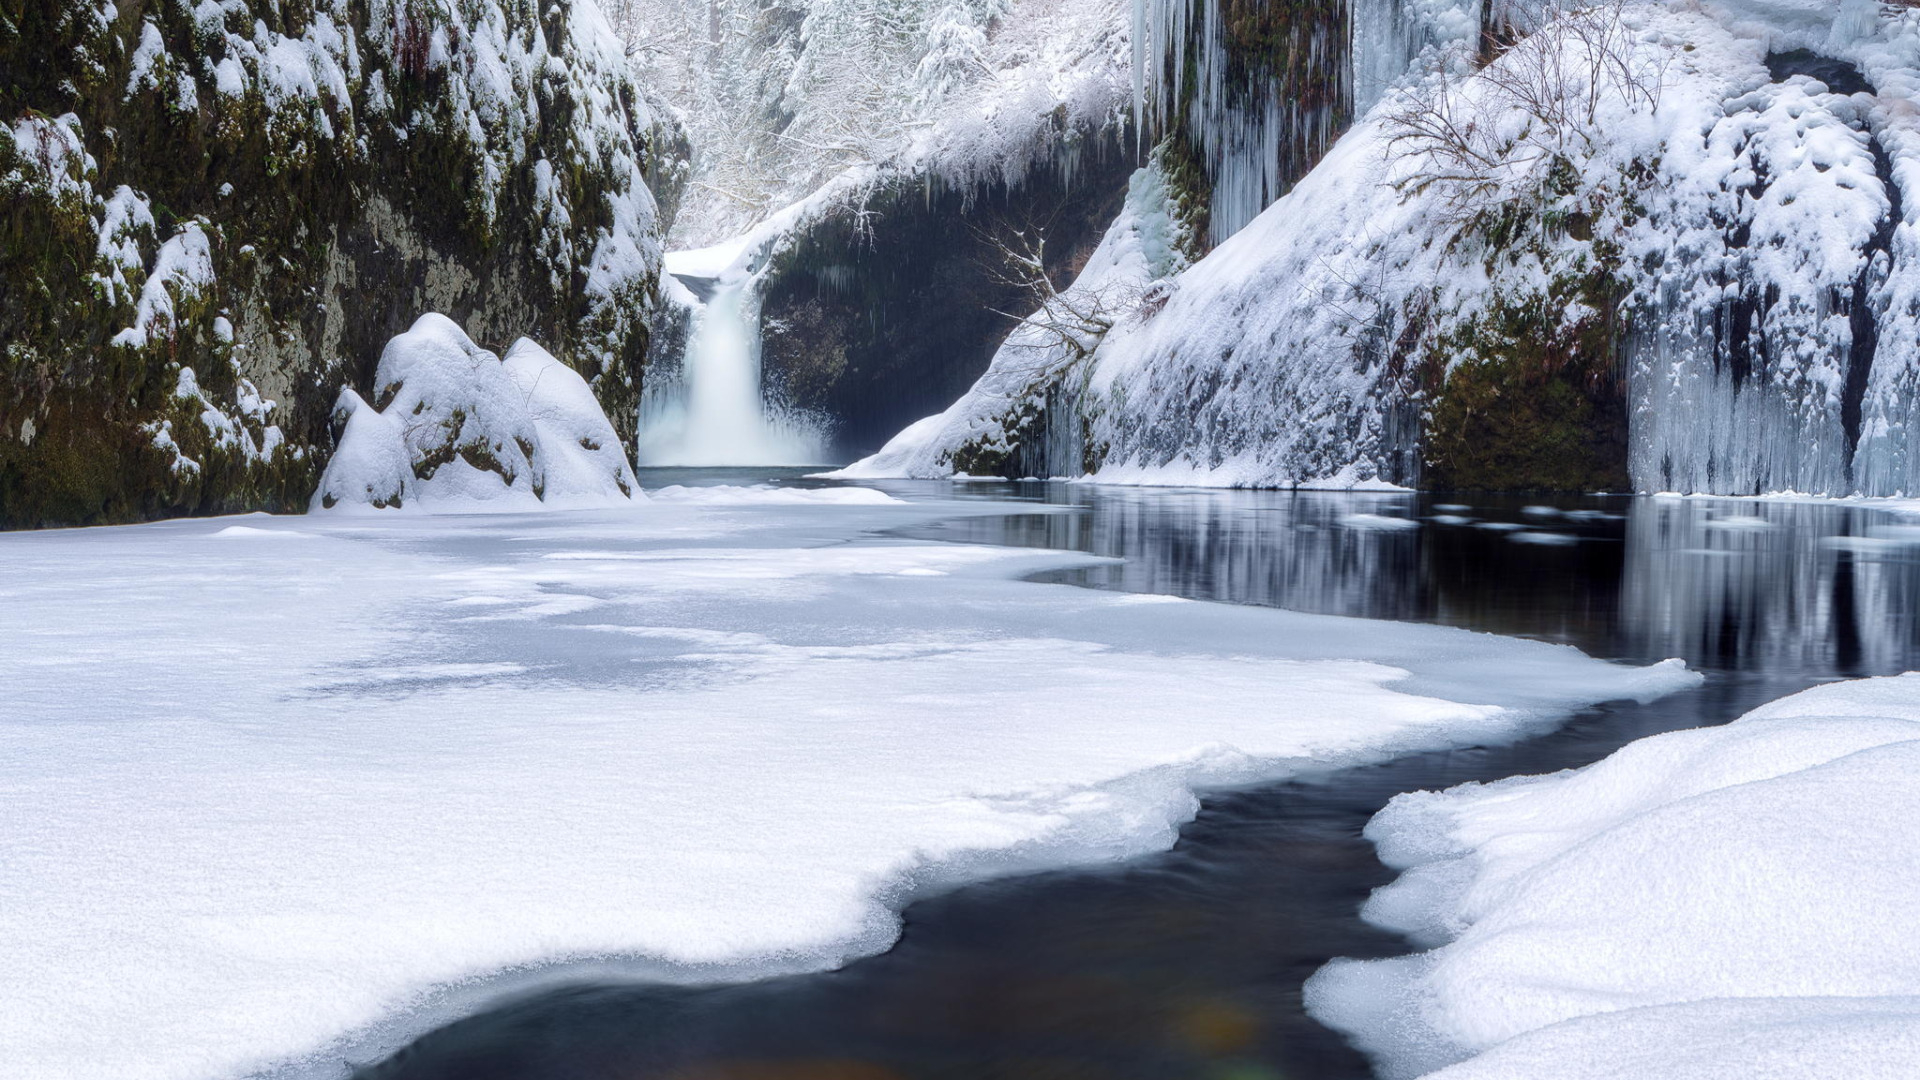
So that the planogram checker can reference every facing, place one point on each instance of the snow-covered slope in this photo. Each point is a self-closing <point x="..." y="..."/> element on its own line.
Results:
<point x="1722" y="902"/>
<point x="1662" y="245"/>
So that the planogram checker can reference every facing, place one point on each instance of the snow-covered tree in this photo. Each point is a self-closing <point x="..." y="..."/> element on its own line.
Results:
<point x="779" y="96"/>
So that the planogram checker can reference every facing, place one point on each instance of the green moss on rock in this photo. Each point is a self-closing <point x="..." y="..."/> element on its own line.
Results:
<point x="1525" y="389"/>
<point x="334" y="214"/>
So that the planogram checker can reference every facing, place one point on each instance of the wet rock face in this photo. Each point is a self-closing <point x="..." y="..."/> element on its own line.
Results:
<point x="215" y="216"/>
<point x="874" y="318"/>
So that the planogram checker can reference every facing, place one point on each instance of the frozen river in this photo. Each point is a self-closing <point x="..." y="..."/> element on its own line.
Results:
<point x="282" y="794"/>
<point x="1189" y="963"/>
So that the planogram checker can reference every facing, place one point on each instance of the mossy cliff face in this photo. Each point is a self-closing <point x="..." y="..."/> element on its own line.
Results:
<point x="1538" y="408"/>
<point x="216" y="214"/>
<point x="886" y="309"/>
<point x="1525" y="390"/>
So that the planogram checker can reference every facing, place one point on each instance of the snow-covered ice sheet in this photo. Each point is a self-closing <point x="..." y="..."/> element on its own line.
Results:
<point x="1720" y="902"/>
<point x="771" y="495"/>
<point x="276" y="792"/>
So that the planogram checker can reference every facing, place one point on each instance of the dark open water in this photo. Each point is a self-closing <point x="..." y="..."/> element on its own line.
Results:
<point x="1188" y="965"/>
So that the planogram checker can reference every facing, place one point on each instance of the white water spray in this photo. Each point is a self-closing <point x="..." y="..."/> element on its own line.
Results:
<point x="713" y="413"/>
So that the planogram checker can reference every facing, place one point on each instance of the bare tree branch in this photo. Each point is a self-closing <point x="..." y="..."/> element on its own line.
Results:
<point x="1477" y="135"/>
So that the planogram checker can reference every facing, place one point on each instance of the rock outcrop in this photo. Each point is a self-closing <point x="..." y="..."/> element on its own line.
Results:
<point x="217" y="214"/>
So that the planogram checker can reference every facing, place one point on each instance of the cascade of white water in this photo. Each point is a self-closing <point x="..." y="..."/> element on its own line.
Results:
<point x="713" y="413"/>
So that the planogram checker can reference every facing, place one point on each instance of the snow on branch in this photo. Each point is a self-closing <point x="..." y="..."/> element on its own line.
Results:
<point x="1479" y="132"/>
<point x="1066" y="325"/>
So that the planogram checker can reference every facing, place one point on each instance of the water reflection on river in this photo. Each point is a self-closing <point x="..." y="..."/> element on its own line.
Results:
<point x="1187" y="966"/>
<point x="1825" y="588"/>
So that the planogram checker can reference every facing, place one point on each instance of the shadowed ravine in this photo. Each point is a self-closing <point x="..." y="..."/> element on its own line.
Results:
<point x="1189" y="964"/>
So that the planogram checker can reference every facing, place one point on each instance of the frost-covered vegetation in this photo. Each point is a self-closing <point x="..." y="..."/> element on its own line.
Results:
<point x="783" y="97"/>
<point x="249" y="196"/>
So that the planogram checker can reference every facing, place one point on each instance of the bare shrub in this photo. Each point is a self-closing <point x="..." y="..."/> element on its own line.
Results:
<point x="1540" y="99"/>
<point x="1066" y="325"/>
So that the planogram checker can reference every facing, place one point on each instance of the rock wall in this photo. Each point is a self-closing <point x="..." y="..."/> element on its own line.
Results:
<point x="217" y="215"/>
<point x="886" y="308"/>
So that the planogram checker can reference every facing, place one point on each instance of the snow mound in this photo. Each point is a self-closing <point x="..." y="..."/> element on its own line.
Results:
<point x="1593" y="919"/>
<point x="455" y="424"/>
<point x="1727" y="1039"/>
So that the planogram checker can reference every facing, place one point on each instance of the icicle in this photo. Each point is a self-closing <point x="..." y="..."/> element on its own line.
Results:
<point x="1139" y="75"/>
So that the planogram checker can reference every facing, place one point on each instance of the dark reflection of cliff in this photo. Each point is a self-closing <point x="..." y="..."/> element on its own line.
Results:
<point x="1724" y="584"/>
<point x="1793" y="586"/>
<point x="1261" y="548"/>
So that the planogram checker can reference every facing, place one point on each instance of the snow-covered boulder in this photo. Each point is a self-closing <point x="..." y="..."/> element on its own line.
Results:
<point x="454" y="423"/>
<point x="1726" y="902"/>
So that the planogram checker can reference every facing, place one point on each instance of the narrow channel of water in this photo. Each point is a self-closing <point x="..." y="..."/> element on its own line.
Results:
<point x="1188" y="965"/>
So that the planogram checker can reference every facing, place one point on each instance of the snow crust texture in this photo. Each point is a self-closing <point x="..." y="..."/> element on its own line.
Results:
<point x="456" y="424"/>
<point x="1719" y="902"/>
<point x="281" y="805"/>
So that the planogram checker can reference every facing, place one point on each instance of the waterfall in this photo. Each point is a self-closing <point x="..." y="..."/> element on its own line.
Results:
<point x="712" y="412"/>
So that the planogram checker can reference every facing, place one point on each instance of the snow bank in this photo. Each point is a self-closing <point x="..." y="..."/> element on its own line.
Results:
<point x="456" y="425"/>
<point x="293" y="800"/>
<point x="1723" y="902"/>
